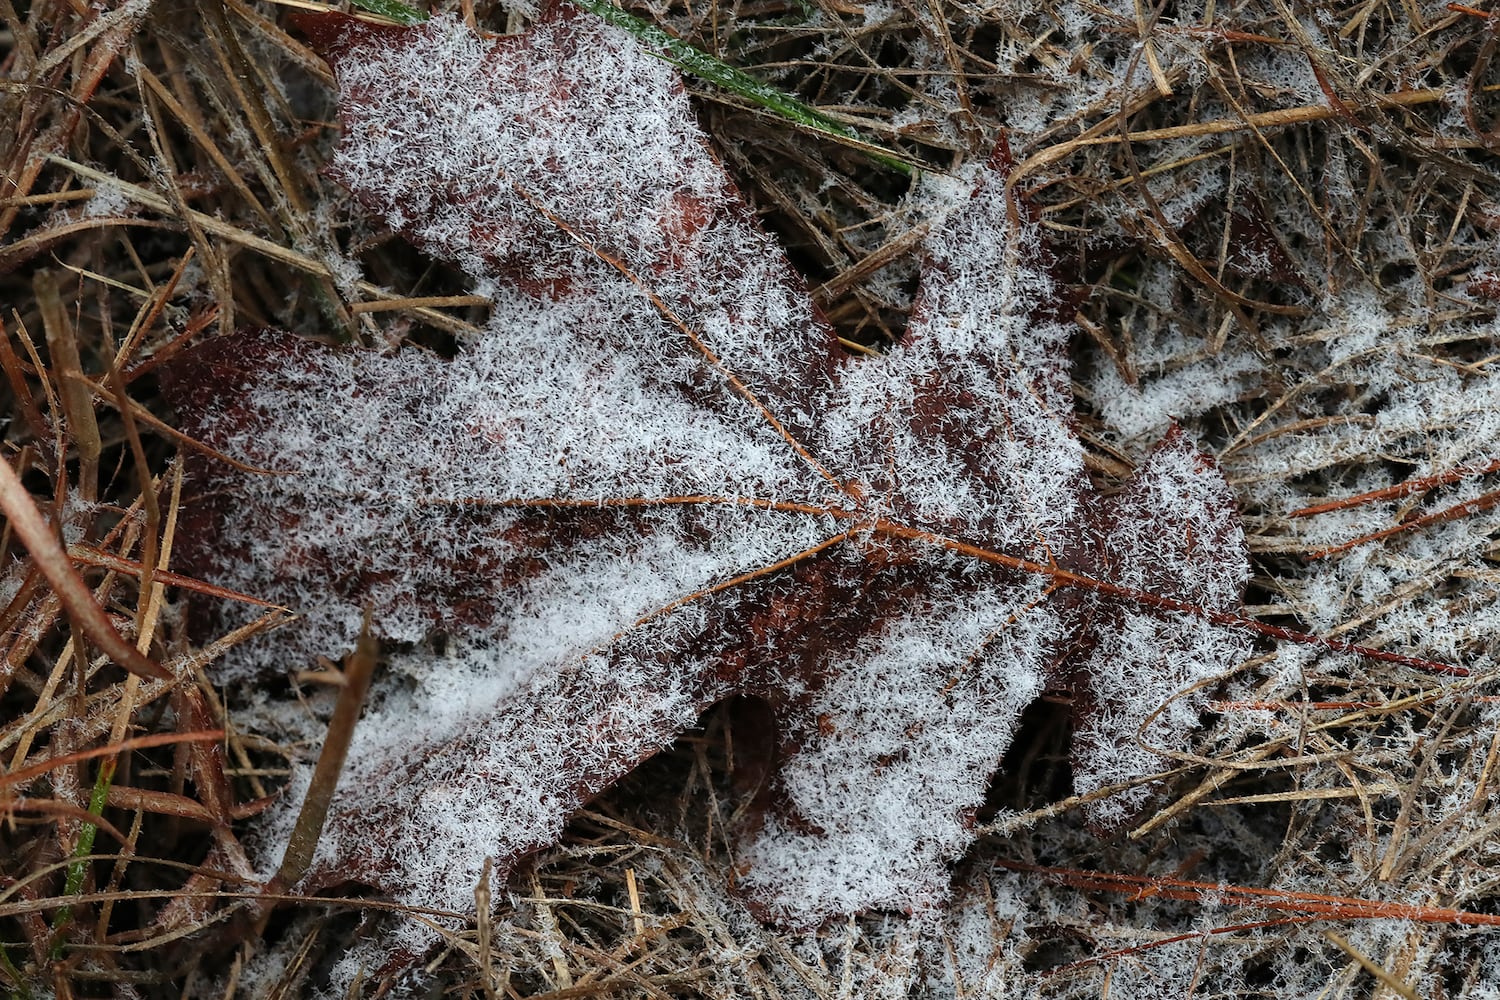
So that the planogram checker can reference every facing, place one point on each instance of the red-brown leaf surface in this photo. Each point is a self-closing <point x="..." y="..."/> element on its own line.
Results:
<point x="653" y="482"/>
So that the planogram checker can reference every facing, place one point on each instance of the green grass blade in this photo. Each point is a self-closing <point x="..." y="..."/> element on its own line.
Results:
<point x="699" y="63"/>
<point x="393" y="9"/>
<point x="78" y="867"/>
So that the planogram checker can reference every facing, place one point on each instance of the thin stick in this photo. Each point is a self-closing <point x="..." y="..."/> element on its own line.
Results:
<point x="358" y="669"/>
<point x="1401" y="489"/>
<point x="1305" y="903"/>
<point x="1453" y="513"/>
<point x="130" y="567"/>
<point x="1159" y="602"/>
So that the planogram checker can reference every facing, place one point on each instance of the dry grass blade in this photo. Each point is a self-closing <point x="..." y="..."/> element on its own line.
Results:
<point x="22" y="775"/>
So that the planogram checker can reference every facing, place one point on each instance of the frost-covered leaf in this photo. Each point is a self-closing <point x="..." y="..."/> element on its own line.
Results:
<point x="652" y="483"/>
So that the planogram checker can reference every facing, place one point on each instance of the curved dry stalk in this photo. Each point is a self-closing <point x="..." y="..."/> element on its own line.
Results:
<point x="50" y="557"/>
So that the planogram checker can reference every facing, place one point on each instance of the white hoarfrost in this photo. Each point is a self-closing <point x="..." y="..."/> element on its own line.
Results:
<point x="911" y="725"/>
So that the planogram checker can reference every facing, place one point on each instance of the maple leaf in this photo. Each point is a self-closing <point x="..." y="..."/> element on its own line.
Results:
<point x="653" y="482"/>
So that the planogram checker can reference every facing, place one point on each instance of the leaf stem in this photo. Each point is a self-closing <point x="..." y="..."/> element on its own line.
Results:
<point x="1160" y="602"/>
<point x="1060" y="577"/>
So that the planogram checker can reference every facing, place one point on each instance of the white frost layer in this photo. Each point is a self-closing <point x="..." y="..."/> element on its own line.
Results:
<point x="910" y="731"/>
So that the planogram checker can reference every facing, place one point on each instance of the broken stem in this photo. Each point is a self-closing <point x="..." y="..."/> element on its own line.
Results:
<point x="358" y="669"/>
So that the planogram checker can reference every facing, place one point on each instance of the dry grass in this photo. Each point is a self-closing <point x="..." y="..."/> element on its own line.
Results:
<point x="1296" y="200"/>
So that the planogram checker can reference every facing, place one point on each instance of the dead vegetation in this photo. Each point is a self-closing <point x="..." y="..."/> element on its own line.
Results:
<point x="1280" y="218"/>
